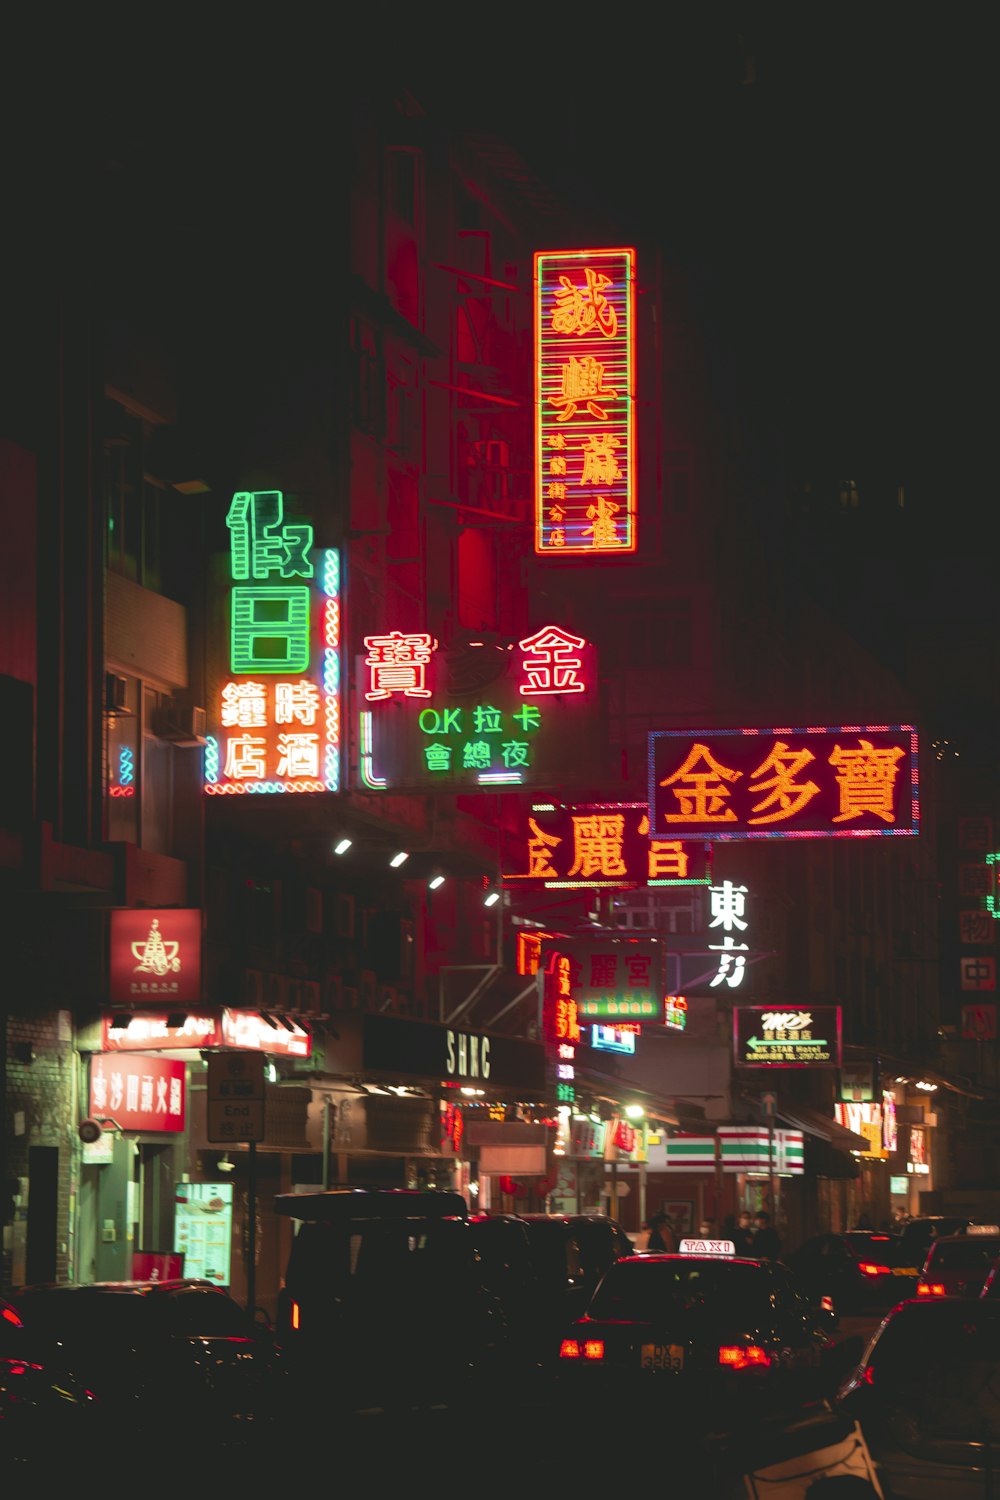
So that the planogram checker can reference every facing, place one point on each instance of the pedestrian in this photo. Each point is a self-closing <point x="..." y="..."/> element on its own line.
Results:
<point x="706" y="1229"/>
<point x="766" y="1240"/>
<point x="743" y="1233"/>
<point x="661" y="1234"/>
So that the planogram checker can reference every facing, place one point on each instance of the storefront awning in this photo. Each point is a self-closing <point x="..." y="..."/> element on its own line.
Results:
<point x="822" y="1127"/>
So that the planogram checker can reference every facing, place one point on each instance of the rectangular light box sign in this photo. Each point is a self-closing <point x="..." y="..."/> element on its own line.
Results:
<point x="585" y="467"/>
<point x="773" y="1037"/>
<point x="275" y="715"/>
<point x="843" y="781"/>
<point x="601" y="844"/>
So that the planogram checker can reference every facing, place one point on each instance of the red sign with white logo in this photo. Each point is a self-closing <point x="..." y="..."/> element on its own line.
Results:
<point x="138" y="1093"/>
<point x="156" y="955"/>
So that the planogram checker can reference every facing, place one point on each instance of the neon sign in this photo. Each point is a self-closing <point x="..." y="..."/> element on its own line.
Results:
<point x="602" y="844"/>
<point x="476" y="715"/>
<point x="847" y="781"/>
<point x="278" y="710"/>
<point x="585" y="465"/>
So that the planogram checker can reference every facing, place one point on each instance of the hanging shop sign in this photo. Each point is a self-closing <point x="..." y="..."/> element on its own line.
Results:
<point x="155" y="953"/>
<point x="612" y="1039"/>
<point x="766" y="1037"/>
<point x="477" y="716"/>
<point x="757" y="1150"/>
<point x="396" y="1047"/>
<point x="600" y="845"/>
<point x="858" y="1083"/>
<point x="275" y="714"/>
<point x="585" y="440"/>
<point x="853" y="781"/>
<point x="612" y="978"/>
<point x="138" y="1093"/>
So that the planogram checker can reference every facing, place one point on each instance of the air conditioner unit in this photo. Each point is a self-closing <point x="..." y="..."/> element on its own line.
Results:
<point x="115" y="689"/>
<point x="180" y="724"/>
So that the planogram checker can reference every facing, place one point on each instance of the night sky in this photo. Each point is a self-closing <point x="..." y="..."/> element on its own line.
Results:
<point x="825" y="177"/>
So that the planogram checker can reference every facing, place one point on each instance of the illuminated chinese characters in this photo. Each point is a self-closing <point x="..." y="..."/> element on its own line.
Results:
<point x="476" y="715"/>
<point x="278" y="712"/>
<point x="602" y="844"/>
<point x="561" y="1025"/>
<point x="138" y="1093"/>
<point x="854" y="781"/>
<point x="728" y="903"/>
<point x="585" y="466"/>
<point x="612" y="979"/>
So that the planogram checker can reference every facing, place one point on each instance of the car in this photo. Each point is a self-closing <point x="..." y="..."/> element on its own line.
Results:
<point x="957" y="1265"/>
<point x="925" y="1395"/>
<point x="857" y="1269"/>
<point x="918" y="1234"/>
<point x="385" y="1306"/>
<point x="180" y="1354"/>
<point x="571" y="1252"/>
<point x="702" y="1335"/>
<point x="42" y="1404"/>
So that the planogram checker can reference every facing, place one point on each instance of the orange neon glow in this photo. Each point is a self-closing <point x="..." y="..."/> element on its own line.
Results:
<point x="585" y="448"/>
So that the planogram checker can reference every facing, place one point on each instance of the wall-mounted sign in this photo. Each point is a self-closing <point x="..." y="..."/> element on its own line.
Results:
<point x="612" y="1039"/>
<point x="858" y="1083"/>
<point x="852" y="781"/>
<point x="612" y="978"/>
<point x="675" y="1012"/>
<point x="477" y="716"/>
<point x="769" y="1037"/>
<point x="155" y="954"/>
<point x="138" y="1093"/>
<point x="585" y="467"/>
<point x="275" y="716"/>
<point x="600" y="844"/>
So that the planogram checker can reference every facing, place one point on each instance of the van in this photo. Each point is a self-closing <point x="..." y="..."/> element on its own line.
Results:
<point x="384" y="1306"/>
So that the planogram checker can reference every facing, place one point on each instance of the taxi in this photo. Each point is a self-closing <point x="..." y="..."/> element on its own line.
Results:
<point x="958" y="1265"/>
<point x="702" y="1332"/>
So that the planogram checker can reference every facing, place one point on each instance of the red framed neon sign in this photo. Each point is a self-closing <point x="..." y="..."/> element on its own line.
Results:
<point x="585" y="448"/>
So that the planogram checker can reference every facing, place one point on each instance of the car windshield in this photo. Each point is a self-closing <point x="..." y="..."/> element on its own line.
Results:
<point x="644" y="1290"/>
<point x="881" y="1248"/>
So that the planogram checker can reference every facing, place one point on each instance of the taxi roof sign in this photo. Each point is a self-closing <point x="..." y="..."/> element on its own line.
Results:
<point x="982" y="1229"/>
<point x="707" y="1247"/>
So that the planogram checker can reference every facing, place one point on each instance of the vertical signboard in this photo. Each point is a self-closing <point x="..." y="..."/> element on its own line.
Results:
<point x="585" y="469"/>
<point x="275" y="717"/>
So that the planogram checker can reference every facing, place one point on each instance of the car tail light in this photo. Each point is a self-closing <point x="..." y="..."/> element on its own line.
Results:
<point x="294" y="1316"/>
<point x="10" y="1316"/>
<point x="868" y="1268"/>
<point x="743" y="1356"/>
<point x="930" y="1289"/>
<point x="582" y="1349"/>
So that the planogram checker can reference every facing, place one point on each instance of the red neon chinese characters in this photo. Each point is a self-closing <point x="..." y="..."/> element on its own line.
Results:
<point x="548" y="663"/>
<point x="398" y="664"/>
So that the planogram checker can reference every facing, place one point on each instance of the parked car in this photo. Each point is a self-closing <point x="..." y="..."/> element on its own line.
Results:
<point x="385" y="1305"/>
<point x="705" y="1338"/>
<point x="926" y="1395"/>
<point x="179" y="1355"/>
<point x="957" y="1265"/>
<point x="857" y="1269"/>
<point x="43" y="1406"/>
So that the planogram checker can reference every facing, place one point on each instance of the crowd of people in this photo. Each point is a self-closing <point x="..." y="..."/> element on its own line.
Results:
<point x="752" y="1234"/>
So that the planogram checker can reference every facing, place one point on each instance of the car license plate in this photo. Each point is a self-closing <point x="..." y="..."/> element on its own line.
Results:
<point x="663" y="1356"/>
<point x="904" y="1270"/>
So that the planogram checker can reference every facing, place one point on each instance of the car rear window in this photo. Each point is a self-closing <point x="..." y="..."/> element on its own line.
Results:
<point x="641" y="1290"/>
<point x="970" y="1253"/>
